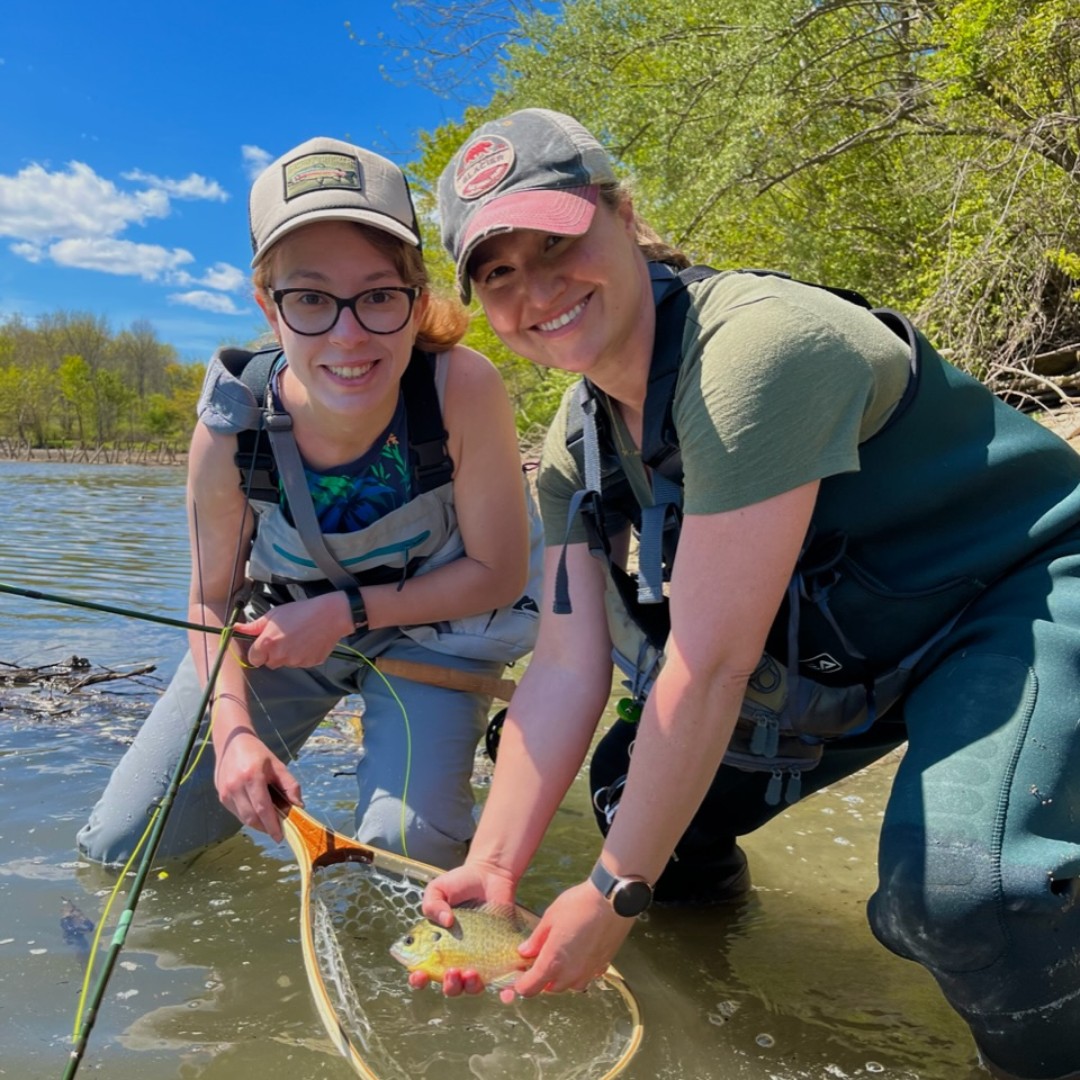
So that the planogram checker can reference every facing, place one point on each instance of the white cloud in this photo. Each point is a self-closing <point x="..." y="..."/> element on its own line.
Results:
<point x="30" y="252"/>
<point x="38" y="205"/>
<point x="74" y="218"/>
<point x="148" y="261"/>
<point x="221" y="276"/>
<point x="255" y="160"/>
<point x="207" y="301"/>
<point x="193" y="186"/>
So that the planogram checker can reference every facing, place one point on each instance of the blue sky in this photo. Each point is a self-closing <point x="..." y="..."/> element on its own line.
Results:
<point x="130" y="133"/>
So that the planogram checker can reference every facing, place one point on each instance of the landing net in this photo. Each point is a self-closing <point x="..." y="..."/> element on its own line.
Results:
<point x="396" y="1033"/>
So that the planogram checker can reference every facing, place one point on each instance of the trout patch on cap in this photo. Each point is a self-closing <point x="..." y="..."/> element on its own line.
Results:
<point x="483" y="166"/>
<point x="321" y="172"/>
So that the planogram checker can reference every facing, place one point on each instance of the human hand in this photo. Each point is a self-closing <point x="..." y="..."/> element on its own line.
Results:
<point x="299" y="634"/>
<point x="244" y="773"/>
<point x="573" y="944"/>
<point x="471" y="882"/>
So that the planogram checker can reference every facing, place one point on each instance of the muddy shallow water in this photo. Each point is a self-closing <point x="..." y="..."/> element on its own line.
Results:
<point x="789" y="983"/>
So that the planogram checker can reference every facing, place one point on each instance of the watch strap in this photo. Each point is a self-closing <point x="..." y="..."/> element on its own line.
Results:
<point x="603" y="879"/>
<point x="628" y="896"/>
<point x="357" y="608"/>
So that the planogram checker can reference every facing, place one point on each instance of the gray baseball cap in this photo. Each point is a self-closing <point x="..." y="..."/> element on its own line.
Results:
<point x="533" y="169"/>
<point x="329" y="180"/>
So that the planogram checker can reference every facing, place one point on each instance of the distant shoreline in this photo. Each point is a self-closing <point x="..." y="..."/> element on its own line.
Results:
<point x="156" y="456"/>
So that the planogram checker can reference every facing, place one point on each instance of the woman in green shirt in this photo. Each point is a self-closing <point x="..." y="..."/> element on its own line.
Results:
<point x="861" y="546"/>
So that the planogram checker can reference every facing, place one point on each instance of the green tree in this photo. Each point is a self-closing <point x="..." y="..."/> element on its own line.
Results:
<point x="112" y="400"/>
<point x="77" y="388"/>
<point x="923" y="152"/>
<point x="27" y="401"/>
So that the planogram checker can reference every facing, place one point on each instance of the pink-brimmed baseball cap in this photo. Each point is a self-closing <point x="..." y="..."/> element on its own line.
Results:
<point x="534" y="169"/>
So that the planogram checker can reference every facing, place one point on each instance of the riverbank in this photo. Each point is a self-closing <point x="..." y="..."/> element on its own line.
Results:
<point x="156" y="454"/>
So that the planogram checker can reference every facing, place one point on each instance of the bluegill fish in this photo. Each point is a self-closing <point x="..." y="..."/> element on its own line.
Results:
<point x="484" y="938"/>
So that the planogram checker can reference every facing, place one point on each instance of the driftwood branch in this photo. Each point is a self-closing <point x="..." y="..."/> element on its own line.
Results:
<point x="68" y="675"/>
<point x="109" y="676"/>
<point x="1056" y="361"/>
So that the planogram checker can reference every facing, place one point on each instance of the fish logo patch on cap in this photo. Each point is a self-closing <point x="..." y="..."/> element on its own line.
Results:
<point x="321" y="172"/>
<point x="483" y="166"/>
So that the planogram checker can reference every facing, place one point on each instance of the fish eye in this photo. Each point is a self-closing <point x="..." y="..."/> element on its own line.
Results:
<point x="409" y="939"/>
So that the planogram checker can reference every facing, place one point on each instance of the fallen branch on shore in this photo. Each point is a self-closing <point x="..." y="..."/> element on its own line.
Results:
<point x="68" y="675"/>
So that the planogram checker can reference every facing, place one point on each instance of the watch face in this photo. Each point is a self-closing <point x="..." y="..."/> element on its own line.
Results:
<point x="631" y="898"/>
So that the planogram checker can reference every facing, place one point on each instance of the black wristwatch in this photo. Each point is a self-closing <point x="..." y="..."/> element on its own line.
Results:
<point x="356" y="607"/>
<point x="628" y="896"/>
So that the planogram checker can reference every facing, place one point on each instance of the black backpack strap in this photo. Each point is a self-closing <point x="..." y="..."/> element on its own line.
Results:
<point x="254" y="458"/>
<point x="432" y="465"/>
<point x="659" y="442"/>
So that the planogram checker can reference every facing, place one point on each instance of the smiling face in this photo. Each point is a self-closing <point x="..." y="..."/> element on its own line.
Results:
<point x="580" y="304"/>
<point x="348" y="370"/>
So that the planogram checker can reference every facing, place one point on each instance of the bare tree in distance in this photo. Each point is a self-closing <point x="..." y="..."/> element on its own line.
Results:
<point x="453" y="49"/>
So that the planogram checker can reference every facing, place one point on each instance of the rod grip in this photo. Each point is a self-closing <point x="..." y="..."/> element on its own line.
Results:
<point x="450" y="678"/>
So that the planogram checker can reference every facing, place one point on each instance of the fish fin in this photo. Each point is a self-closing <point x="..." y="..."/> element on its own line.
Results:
<point x="511" y="976"/>
<point x="520" y="917"/>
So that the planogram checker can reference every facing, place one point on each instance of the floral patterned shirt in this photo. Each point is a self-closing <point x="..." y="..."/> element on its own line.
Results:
<point x="350" y="497"/>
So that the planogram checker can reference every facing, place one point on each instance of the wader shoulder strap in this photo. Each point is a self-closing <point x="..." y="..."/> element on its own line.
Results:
<point x="254" y="458"/>
<point x="279" y="427"/>
<point x="431" y="463"/>
<point x="659" y="442"/>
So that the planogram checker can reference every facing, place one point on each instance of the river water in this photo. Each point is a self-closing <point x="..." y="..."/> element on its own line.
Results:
<point x="788" y="984"/>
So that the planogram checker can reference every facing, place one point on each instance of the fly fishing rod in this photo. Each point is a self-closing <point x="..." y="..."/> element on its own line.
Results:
<point x="433" y="674"/>
<point x="73" y="601"/>
<point x="157" y="827"/>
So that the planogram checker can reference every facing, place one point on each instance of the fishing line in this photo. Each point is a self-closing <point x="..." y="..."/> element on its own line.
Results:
<point x="408" y="742"/>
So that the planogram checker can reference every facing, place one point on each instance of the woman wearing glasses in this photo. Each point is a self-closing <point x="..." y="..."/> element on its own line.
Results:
<point x="357" y="486"/>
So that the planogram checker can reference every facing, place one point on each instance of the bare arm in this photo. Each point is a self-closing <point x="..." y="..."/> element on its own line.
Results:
<point x="729" y="578"/>
<point x="546" y="735"/>
<point x="220" y="526"/>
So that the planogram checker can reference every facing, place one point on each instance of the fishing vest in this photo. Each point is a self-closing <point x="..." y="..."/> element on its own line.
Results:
<point x="291" y="558"/>
<point x="955" y="489"/>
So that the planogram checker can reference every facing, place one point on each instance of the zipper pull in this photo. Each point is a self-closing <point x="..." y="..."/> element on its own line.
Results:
<point x="765" y="741"/>
<point x="772" y="792"/>
<point x="794" y="788"/>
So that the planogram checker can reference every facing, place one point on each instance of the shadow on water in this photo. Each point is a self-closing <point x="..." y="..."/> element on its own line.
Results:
<point x="786" y="984"/>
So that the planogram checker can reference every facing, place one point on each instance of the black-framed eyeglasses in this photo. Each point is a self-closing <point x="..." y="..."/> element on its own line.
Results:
<point x="310" y="312"/>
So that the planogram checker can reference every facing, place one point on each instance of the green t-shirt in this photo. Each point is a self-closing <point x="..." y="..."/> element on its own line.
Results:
<point x="779" y="385"/>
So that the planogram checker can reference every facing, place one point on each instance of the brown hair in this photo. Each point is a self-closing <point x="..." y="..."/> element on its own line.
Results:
<point x="649" y="241"/>
<point x="444" y="320"/>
